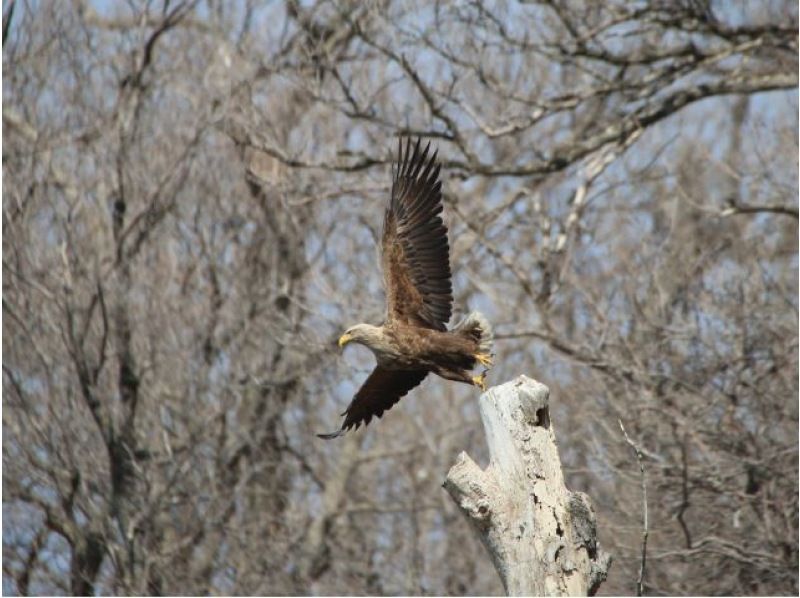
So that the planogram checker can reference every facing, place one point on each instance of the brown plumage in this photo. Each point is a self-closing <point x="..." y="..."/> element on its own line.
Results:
<point x="414" y="339"/>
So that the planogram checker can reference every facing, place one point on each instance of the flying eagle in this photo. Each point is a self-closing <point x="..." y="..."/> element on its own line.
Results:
<point x="413" y="340"/>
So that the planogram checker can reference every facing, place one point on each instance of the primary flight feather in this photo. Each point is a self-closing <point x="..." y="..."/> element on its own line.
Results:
<point x="413" y="340"/>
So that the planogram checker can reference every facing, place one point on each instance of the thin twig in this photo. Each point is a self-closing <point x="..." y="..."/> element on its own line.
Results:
<point x="685" y="495"/>
<point x="640" y="582"/>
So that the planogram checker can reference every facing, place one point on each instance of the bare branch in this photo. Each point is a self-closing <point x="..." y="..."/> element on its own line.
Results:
<point x="645" y="528"/>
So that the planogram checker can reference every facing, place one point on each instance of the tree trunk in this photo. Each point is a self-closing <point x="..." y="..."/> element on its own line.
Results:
<point x="542" y="538"/>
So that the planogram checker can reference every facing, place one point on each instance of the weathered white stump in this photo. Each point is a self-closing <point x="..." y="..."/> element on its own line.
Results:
<point x="542" y="538"/>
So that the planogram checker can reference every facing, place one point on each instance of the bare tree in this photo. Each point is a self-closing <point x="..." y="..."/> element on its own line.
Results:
<point x="192" y="192"/>
<point x="541" y="537"/>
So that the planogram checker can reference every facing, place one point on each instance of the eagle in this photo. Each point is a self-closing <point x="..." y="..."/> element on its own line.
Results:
<point x="413" y="340"/>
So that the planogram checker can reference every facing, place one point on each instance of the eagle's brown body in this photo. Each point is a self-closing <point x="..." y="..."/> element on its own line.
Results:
<point x="414" y="340"/>
<point x="410" y="347"/>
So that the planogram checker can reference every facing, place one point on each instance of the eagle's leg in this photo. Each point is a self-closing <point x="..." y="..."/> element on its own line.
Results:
<point x="485" y="359"/>
<point x="464" y="376"/>
<point x="454" y="374"/>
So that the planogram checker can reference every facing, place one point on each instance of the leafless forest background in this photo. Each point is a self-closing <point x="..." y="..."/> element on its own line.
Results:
<point x="191" y="197"/>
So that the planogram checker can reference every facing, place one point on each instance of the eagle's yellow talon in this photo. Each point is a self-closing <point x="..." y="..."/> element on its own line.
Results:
<point x="479" y="381"/>
<point x="484" y="359"/>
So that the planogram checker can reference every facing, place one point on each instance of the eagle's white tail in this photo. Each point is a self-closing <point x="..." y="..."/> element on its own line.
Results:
<point x="476" y="326"/>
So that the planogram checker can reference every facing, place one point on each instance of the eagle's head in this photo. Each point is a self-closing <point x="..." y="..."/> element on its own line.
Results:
<point x="365" y="334"/>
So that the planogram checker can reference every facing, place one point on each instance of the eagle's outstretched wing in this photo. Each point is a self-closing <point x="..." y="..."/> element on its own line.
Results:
<point x="381" y="390"/>
<point x="415" y="251"/>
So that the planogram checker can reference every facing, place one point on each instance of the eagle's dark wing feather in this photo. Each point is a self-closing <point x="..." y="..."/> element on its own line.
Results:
<point x="416" y="254"/>
<point x="379" y="393"/>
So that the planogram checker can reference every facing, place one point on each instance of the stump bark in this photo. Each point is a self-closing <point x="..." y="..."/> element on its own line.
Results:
<point x="541" y="537"/>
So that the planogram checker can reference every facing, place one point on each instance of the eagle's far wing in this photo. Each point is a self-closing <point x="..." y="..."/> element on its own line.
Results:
<point x="379" y="393"/>
<point x="414" y="247"/>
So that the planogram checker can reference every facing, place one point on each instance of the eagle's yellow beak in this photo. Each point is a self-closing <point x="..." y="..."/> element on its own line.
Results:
<point x="344" y="339"/>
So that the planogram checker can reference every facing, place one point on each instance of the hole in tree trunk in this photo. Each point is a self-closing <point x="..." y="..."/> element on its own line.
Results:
<point x="543" y="417"/>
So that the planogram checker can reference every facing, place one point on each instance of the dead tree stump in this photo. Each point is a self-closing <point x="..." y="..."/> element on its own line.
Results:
<point x="541" y="537"/>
